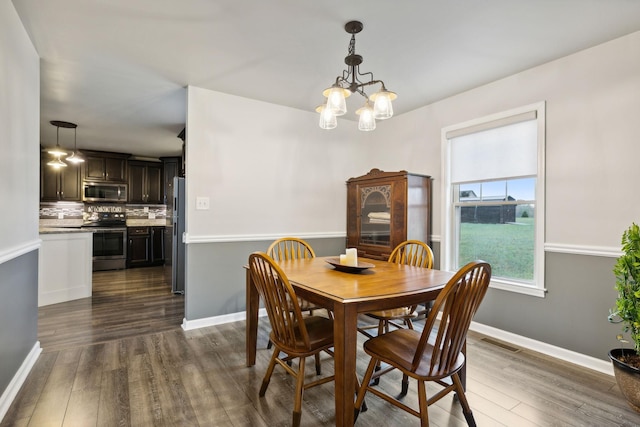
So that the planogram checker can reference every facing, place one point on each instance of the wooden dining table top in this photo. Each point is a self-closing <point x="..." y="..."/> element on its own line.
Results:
<point x="382" y="281"/>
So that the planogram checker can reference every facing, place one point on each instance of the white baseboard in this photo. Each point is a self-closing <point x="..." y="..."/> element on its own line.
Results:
<point x="18" y="379"/>
<point x="550" y="350"/>
<point x="541" y="347"/>
<point x="188" y="325"/>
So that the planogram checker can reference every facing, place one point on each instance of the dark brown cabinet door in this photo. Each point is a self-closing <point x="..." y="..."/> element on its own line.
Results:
<point x="94" y="168"/>
<point x="115" y="169"/>
<point x="145" y="182"/>
<point x="157" y="245"/>
<point x="139" y="243"/>
<point x="71" y="184"/>
<point x="136" y="183"/>
<point x="154" y="184"/>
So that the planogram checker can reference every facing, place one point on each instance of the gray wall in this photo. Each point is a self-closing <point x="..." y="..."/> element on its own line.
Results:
<point x="216" y="277"/>
<point x="573" y="315"/>
<point x="18" y="313"/>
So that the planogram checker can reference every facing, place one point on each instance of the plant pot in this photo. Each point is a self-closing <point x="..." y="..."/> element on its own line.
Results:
<point x="627" y="377"/>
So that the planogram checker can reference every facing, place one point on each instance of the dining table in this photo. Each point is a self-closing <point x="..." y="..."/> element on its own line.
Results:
<point x="347" y="292"/>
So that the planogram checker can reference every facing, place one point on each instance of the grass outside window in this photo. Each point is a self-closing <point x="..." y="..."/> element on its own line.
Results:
<point x="509" y="248"/>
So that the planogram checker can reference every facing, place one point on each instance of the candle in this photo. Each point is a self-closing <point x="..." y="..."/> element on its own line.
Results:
<point x="352" y="257"/>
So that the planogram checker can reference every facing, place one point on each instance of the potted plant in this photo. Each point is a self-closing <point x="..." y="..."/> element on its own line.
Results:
<point x="626" y="362"/>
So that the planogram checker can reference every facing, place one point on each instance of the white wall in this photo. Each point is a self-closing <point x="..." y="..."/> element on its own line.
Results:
<point x="593" y="108"/>
<point x="19" y="136"/>
<point x="266" y="169"/>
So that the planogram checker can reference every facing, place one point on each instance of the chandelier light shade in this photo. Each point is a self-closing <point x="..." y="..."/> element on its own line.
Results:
<point x="352" y="80"/>
<point x="367" y="120"/>
<point x="336" y="99"/>
<point x="328" y="118"/>
<point x="382" y="107"/>
<point x="58" y="152"/>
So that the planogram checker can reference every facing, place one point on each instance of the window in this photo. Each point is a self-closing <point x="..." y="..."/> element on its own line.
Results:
<point x="494" y="197"/>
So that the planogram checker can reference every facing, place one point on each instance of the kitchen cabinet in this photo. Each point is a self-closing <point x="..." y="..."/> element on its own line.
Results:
<point x="105" y="166"/>
<point x="145" y="182"/>
<point x="386" y="208"/>
<point x="145" y="246"/>
<point x="60" y="184"/>
<point x="157" y="245"/>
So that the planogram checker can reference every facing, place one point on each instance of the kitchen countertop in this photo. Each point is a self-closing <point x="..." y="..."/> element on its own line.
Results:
<point x="63" y="230"/>
<point x="158" y="222"/>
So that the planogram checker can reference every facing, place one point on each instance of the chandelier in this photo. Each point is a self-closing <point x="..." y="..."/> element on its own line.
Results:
<point x="350" y="82"/>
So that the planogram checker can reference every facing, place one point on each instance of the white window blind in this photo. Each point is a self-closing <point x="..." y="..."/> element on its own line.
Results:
<point x="504" y="148"/>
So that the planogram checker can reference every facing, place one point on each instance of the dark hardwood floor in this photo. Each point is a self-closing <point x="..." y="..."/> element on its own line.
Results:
<point x="121" y="358"/>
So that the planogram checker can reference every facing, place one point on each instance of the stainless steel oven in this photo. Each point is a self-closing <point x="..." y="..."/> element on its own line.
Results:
<point x="109" y="248"/>
<point x="108" y="223"/>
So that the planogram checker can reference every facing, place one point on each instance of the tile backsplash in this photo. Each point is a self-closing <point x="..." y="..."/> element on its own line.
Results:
<point x="69" y="214"/>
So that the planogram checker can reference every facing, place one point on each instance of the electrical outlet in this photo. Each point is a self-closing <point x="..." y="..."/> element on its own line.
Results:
<point x="202" y="203"/>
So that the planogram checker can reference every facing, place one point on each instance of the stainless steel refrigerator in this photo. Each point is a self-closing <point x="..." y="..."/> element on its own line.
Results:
<point x="178" y="246"/>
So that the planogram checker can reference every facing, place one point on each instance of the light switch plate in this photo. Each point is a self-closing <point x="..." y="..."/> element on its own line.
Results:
<point x="202" y="203"/>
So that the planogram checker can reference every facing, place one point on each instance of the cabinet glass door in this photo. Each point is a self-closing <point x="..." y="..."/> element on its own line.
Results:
<point x="375" y="215"/>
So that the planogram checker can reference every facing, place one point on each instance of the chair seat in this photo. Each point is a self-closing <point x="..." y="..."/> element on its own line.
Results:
<point x="394" y="313"/>
<point x="398" y="348"/>
<point x="320" y="332"/>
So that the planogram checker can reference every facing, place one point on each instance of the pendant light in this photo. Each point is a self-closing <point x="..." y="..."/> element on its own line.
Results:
<point x="75" y="157"/>
<point x="58" y="152"/>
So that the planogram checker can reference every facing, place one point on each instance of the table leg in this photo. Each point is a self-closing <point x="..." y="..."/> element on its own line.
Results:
<point x="345" y="342"/>
<point x="252" y="306"/>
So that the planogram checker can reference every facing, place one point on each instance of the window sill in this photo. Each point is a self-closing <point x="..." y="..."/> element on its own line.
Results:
<point x="518" y="288"/>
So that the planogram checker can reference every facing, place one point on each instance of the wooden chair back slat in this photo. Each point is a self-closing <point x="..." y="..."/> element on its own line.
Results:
<point x="281" y="303"/>
<point x="288" y="248"/>
<point x="412" y="252"/>
<point x="458" y="302"/>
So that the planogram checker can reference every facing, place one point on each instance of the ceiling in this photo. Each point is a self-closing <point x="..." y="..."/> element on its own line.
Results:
<point x="119" y="68"/>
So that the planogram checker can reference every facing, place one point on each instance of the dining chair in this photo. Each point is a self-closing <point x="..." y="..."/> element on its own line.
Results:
<point x="436" y="353"/>
<point x="288" y="248"/>
<point x="409" y="252"/>
<point x="292" y="334"/>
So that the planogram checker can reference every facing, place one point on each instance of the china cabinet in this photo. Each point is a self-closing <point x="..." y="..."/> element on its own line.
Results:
<point x="385" y="209"/>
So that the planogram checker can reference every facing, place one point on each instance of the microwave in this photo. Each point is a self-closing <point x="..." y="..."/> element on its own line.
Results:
<point x="104" y="192"/>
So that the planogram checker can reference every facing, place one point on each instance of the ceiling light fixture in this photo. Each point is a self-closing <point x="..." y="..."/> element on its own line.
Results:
<point x="75" y="157"/>
<point x="57" y="151"/>
<point x="348" y="83"/>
